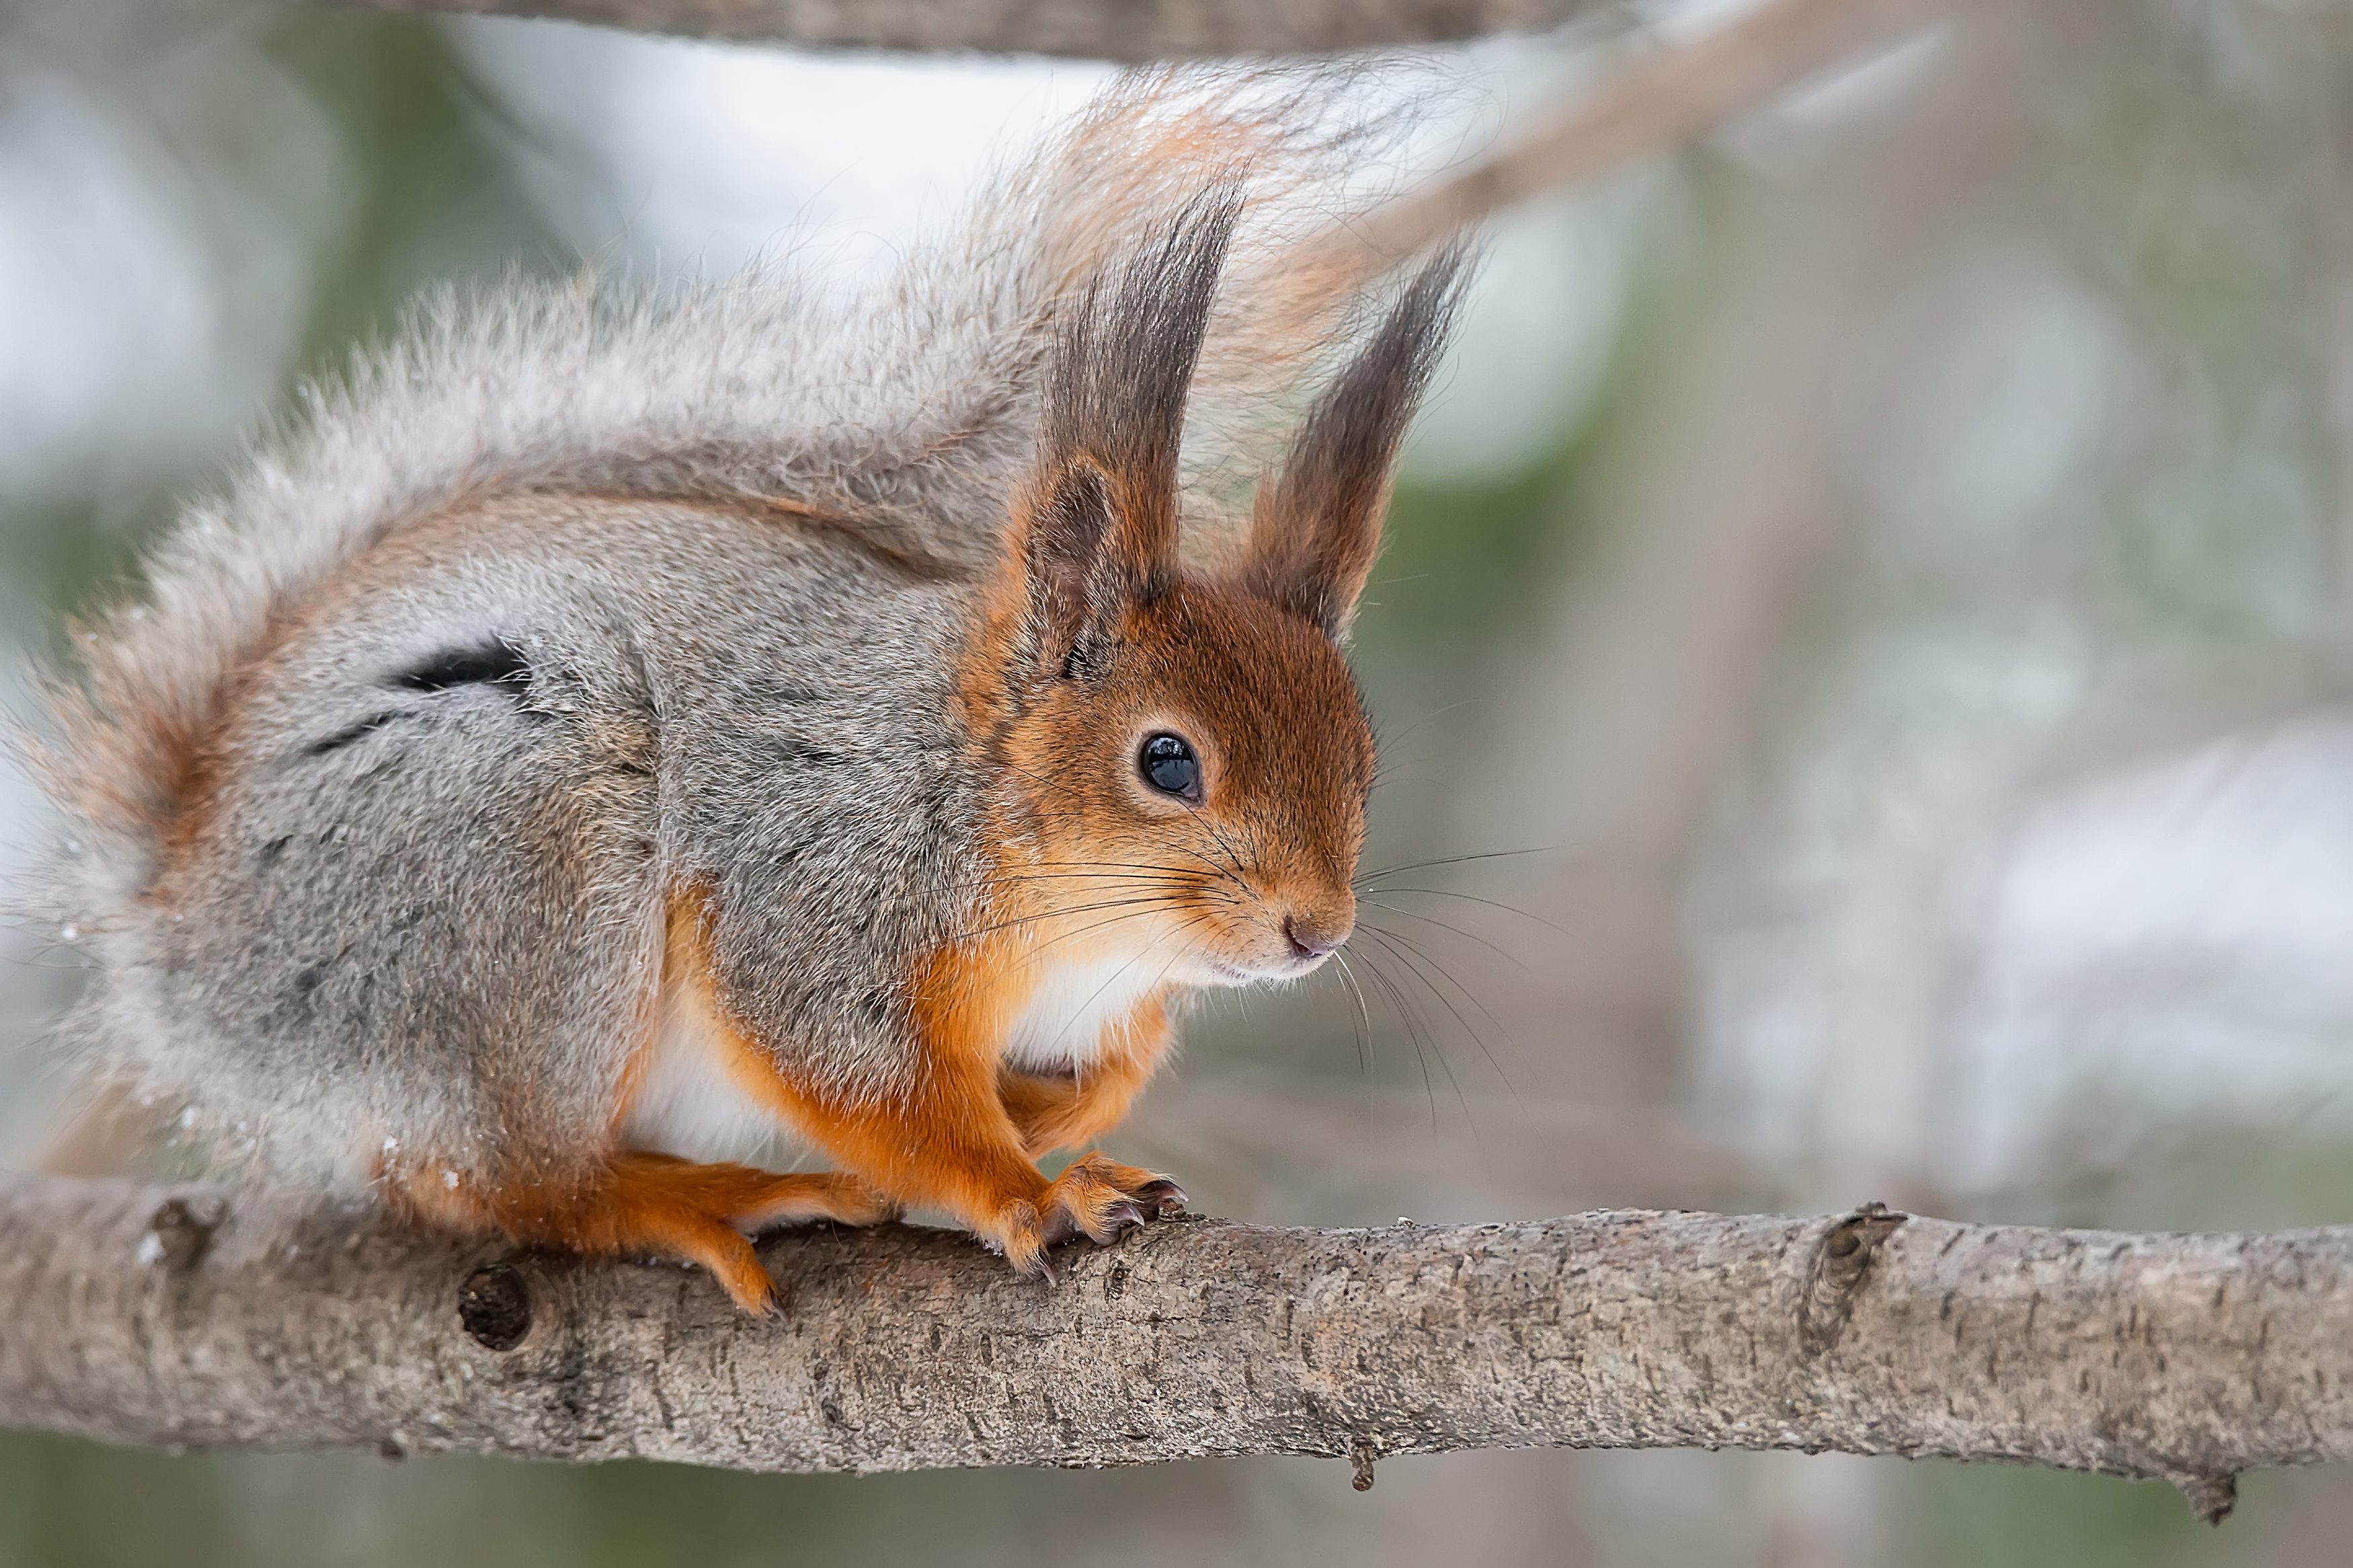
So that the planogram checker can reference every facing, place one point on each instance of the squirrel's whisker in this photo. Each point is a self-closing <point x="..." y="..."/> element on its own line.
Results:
<point x="1463" y="897"/>
<point x="1456" y="860"/>
<point x="1407" y="1014"/>
<point x="1363" y="1020"/>
<point x="1422" y="965"/>
<point x="974" y="934"/>
<point x="1511" y="958"/>
<point x="1436" y="1044"/>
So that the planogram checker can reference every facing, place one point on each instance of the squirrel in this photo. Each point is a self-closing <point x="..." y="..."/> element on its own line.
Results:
<point x="602" y="728"/>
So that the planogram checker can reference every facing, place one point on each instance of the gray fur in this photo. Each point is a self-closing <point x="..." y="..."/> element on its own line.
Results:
<point x="335" y="904"/>
<point x="435" y="917"/>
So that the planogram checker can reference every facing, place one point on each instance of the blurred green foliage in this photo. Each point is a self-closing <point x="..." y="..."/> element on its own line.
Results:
<point x="438" y="200"/>
<point x="1991" y="1516"/>
<point x="432" y="199"/>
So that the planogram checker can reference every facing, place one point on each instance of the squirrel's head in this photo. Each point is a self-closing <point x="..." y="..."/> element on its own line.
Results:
<point x="1182" y="759"/>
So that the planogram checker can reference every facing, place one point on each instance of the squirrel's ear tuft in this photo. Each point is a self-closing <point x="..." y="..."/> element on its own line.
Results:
<point x="1096" y="527"/>
<point x="1318" y="525"/>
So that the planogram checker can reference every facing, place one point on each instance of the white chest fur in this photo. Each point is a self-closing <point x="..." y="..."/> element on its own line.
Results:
<point x="689" y="1104"/>
<point x="1062" y="1029"/>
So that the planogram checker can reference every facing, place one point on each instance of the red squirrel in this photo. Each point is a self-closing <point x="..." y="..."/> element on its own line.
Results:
<point x="611" y="726"/>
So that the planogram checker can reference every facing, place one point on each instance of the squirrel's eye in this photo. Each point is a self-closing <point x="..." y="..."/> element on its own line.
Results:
<point x="1170" y="766"/>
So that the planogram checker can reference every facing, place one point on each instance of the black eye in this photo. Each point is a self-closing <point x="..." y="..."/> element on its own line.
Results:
<point x="1170" y="766"/>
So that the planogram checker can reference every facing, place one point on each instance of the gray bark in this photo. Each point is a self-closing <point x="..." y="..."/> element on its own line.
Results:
<point x="1125" y="30"/>
<point x="176" y="1317"/>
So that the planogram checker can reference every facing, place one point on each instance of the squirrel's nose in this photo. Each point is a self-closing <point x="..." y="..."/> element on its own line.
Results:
<point x="1309" y="940"/>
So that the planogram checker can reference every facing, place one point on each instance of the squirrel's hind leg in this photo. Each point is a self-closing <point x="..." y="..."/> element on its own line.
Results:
<point x="646" y="1203"/>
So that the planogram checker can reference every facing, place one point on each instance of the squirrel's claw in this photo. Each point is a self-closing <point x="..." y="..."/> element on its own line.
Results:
<point x="1102" y="1227"/>
<point x="1061" y="1226"/>
<point x="1161" y="1198"/>
<point x="1097" y="1198"/>
<point x="1121" y="1216"/>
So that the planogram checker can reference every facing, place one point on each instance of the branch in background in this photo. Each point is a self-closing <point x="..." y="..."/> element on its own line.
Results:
<point x="1633" y="741"/>
<point x="1133" y="31"/>
<point x="148" y="1315"/>
<point x="1676" y="92"/>
<point x="1667" y="97"/>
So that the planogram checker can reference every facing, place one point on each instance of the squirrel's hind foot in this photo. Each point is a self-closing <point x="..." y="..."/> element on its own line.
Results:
<point x="642" y="1202"/>
<point x="706" y="1215"/>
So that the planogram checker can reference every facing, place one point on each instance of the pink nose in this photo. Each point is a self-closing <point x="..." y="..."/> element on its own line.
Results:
<point x="1307" y="940"/>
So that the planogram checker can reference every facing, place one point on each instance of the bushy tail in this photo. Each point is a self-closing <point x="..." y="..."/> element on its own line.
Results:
<point x="908" y="413"/>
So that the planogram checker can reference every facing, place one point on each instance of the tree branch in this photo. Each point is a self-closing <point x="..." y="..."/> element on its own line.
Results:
<point x="1676" y="92"/>
<point x="1131" y="31"/>
<point x="148" y="1315"/>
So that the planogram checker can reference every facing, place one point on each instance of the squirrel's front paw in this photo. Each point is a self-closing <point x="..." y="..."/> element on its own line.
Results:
<point x="1096" y="1197"/>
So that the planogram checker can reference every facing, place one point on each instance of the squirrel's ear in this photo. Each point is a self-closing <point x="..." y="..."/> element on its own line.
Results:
<point x="1081" y="550"/>
<point x="1317" y="526"/>
<point x="1096" y="526"/>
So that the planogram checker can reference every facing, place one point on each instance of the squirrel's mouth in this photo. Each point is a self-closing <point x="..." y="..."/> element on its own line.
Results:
<point x="1247" y="951"/>
<point x="1224" y="972"/>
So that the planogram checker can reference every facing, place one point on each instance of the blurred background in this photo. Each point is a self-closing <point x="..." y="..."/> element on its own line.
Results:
<point x="1864" y="660"/>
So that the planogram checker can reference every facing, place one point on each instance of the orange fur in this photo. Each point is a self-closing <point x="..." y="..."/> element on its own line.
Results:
<point x="1268" y="701"/>
<point x="636" y="1201"/>
<point x="948" y="1140"/>
<point x="658" y="1203"/>
<point x="1070" y="1113"/>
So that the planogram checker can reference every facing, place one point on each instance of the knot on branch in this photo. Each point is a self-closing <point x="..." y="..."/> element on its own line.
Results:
<point x="1841" y="1265"/>
<point x="494" y="1305"/>
<point x="179" y="1231"/>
